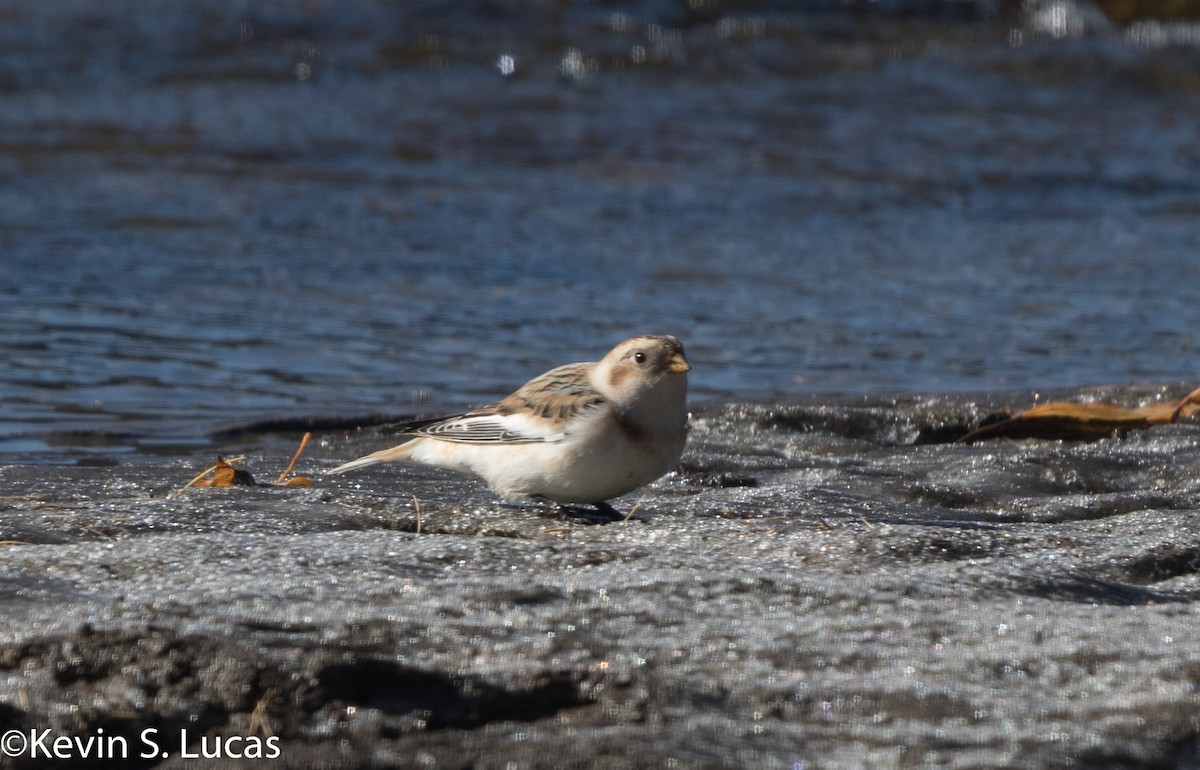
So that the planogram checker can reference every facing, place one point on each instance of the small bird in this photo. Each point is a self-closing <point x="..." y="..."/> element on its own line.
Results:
<point x="580" y="433"/>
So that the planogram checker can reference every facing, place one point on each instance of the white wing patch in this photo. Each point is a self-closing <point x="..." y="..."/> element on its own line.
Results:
<point x="493" y="429"/>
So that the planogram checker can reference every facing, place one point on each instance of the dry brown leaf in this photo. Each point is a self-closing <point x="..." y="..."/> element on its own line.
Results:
<point x="1084" y="422"/>
<point x="223" y="475"/>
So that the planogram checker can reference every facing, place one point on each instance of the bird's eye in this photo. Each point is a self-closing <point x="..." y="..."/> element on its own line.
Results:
<point x="639" y="357"/>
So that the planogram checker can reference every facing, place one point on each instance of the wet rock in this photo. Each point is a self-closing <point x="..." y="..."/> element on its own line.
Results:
<point x="817" y="586"/>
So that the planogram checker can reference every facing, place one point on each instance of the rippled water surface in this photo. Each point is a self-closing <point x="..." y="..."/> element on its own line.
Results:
<point x="216" y="213"/>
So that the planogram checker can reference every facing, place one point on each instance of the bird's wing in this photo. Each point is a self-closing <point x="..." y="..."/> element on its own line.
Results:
<point x="474" y="428"/>
<point x="542" y="411"/>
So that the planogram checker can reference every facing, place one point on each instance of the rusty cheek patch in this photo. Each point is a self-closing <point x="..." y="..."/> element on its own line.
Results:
<point x="618" y="375"/>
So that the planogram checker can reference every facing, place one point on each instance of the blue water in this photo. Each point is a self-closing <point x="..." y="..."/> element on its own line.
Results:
<point x="212" y="215"/>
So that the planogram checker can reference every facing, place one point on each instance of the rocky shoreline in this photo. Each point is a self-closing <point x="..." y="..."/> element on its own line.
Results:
<point x="819" y="586"/>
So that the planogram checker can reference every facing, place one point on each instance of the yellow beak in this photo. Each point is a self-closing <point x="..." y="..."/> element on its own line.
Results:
<point x="678" y="365"/>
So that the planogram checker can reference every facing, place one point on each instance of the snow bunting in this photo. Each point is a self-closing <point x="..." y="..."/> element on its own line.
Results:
<point x="580" y="433"/>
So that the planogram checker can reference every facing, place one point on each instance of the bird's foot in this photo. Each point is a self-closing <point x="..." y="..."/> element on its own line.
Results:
<point x="593" y="513"/>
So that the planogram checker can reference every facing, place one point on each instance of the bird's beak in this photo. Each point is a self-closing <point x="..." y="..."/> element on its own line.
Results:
<point x="678" y="364"/>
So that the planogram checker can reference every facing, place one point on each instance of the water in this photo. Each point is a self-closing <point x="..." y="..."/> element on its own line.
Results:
<point x="215" y="213"/>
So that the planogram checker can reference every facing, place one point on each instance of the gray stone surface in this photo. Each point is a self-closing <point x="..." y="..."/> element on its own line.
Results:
<point x="823" y="584"/>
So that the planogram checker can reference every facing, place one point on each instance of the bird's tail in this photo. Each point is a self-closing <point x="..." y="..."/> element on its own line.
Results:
<point x="394" y="455"/>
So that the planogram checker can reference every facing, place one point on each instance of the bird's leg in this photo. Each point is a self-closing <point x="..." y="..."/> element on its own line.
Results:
<point x="598" y="513"/>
